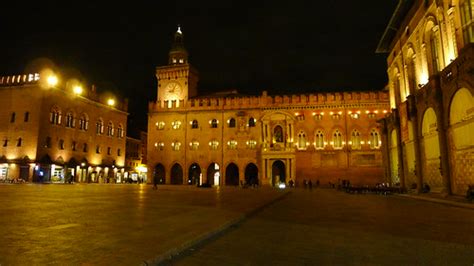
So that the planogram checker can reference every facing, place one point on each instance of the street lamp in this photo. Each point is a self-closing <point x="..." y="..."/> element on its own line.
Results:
<point x="52" y="80"/>
<point x="111" y="102"/>
<point x="77" y="90"/>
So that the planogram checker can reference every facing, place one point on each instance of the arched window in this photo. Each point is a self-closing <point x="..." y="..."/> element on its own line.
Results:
<point x="278" y="134"/>
<point x="84" y="122"/>
<point x="214" y="123"/>
<point x="97" y="149"/>
<point x="69" y="120"/>
<point x="374" y="141"/>
<point x="160" y="125"/>
<point x="176" y="124"/>
<point x="252" y="144"/>
<point x="319" y="140"/>
<point x="120" y="131"/>
<point x="337" y="139"/>
<point x="252" y="122"/>
<point x="160" y="145"/>
<point x="55" y="116"/>
<point x="99" y="129"/>
<point x="61" y="144"/>
<point x="433" y="40"/>
<point x="232" y="122"/>
<point x="176" y="146"/>
<point x="232" y="144"/>
<point x="110" y="129"/>
<point x="214" y="144"/>
<point x="355" y="140"/>
<point x="194" y="124"/>
<point x="301" y="144"/>
<point x="411" y="72"/>
<point x="467" y="20"/>
<point x="194" y="145"/>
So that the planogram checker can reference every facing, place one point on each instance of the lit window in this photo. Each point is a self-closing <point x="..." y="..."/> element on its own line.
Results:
<point x="355" y="140"/>
<point x="83" y="122"/>
<point x="110" y="129"/>
<point x="375" y="141"/>
<point x="99" y="127"/>
<point x="467" y="20"/>
<point x="160" y="125"/>
<point x="252" y="122"/>
<point x="337" y="139"/>
<point x="194" y="145"/>
<point x="232" y="144"/>
<point x="318" y="117"/>
<point x="372" y="115"/>
<point x="252" y="144"/>
<point x="301" y="144"/>
<point x="181" y="61"/>
<point x="232" y="122"/>
<point x="120" y="131"/>
<point x="69" y="120"/>
<point x="319" y="140"/>
<point x="176" y="124"/>
<point x="336" y="116"/>
<point x="176" y="146"/>
<point x="214" y="144"/>
<point x="174" y="61"/>
<point x="55" y="116"/>
<point x="194" y="124"/>
<point x="354" y="115"/>
<point x="214" y="123"/>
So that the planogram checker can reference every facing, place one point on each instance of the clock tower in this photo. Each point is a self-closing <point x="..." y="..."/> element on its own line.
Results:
<point x="178" y="80"/>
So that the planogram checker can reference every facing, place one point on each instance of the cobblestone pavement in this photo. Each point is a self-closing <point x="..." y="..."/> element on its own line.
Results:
<point x="329" y="227"/>
<point x="92" y="224"/>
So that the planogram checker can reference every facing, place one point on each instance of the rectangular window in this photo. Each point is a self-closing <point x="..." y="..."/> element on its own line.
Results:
<point x="18" y="144"/>
<point x="12" y="118"/>
<point x="27" y="116"/>
<point x="109" y="150"/>
<point x="84" y="147"/>
<point x="73" y="146"/>
<point x="61" y="144"/>
<point x="97" y="149"/>
<point x="5" y="142"/>
<point x="119" y="153"/>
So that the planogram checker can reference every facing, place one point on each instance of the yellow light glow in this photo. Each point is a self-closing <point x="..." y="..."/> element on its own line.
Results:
<point x="111" y="102"/>
<point x="77" y="90"/>
<point x="384" y="111"/>
<point x="52" y="80"/>
<point x="350" y="112"/>
<point x="367" y="111"/>
<point x="331" y="113"/>
<point x="296" y="114"/>
<point x="314" y="113"/>
<point x="322" y="113"/>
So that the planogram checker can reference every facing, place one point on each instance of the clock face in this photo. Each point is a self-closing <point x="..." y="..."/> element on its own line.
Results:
<point x="173" y="89"/>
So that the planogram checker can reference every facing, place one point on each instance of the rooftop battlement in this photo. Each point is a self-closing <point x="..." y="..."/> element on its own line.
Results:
<point x="277" y="101"/>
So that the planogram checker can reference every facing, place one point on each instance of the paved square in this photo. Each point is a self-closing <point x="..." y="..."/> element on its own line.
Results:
<point x="112" y="224"/>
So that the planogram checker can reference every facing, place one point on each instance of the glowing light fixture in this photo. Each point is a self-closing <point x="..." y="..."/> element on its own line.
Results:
<point x="77" y="90"/>
<point x="52" y="80"/>
<point x="111" y="102"/>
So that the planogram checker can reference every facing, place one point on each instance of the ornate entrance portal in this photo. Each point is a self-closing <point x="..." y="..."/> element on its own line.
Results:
<point x="278" y="173"/>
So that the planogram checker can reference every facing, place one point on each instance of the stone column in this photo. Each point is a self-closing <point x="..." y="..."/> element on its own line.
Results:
<point x="412" y="113"/>
<point x="444" y="151"/>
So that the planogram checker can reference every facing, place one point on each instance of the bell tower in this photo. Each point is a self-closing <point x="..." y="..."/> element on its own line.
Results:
<point x="177" y="81"/>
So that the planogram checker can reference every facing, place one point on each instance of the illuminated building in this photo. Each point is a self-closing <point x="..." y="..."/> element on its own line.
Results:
<point x="430" y="61"/>
<point x="135" y="159"/>
<point x="230" y="139"/>
<point x="55" y="133"/>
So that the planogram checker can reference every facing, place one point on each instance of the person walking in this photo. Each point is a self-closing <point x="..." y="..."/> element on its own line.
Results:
<point x="155" y="182"/>
<point x="310" y="184"/>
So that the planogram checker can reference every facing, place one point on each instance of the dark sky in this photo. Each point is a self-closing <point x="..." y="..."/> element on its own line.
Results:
<point x="296" y="47"/>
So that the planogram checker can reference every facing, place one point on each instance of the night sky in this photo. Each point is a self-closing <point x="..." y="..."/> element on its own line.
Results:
<point x="295" y="47"/>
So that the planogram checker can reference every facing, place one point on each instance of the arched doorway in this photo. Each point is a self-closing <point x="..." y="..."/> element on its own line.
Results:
<point x="213" y="174"/>
<point x="430" y="141"/>
<point x="461" y="126"/>
<point x="278" y="173"/>
<point x="232" y="175"/>
<point x="159" y="174"/>
<point x="395" y="178"/>
<point x="194" y="176"/>
<point x="251" y="174"/>
<point x="176" y="174"/>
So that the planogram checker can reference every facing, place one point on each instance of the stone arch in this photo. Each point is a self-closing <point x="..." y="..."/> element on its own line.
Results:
<point x="411" y="69"/>
<point x="232" y="175"/>
<point x="461" y="126"/>
<point x="159" y="174"/>
<point x="251" y="174"/>
<point x="194" y="174"/>
<point x="278" y="173"/>
<point x="176" y="174"/>
<point x="213" y="174"/>
<point x="432" y="41"/>
<point x="431" y="149"/>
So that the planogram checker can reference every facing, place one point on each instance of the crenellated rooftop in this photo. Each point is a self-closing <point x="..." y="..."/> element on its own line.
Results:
<point x="319" y="100"/>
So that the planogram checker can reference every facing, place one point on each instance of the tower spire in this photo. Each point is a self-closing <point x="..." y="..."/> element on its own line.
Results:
<point x="178" y="54"/>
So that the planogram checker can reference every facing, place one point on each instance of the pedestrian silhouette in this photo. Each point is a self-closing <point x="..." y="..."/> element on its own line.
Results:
<point x="155" y="182"/>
